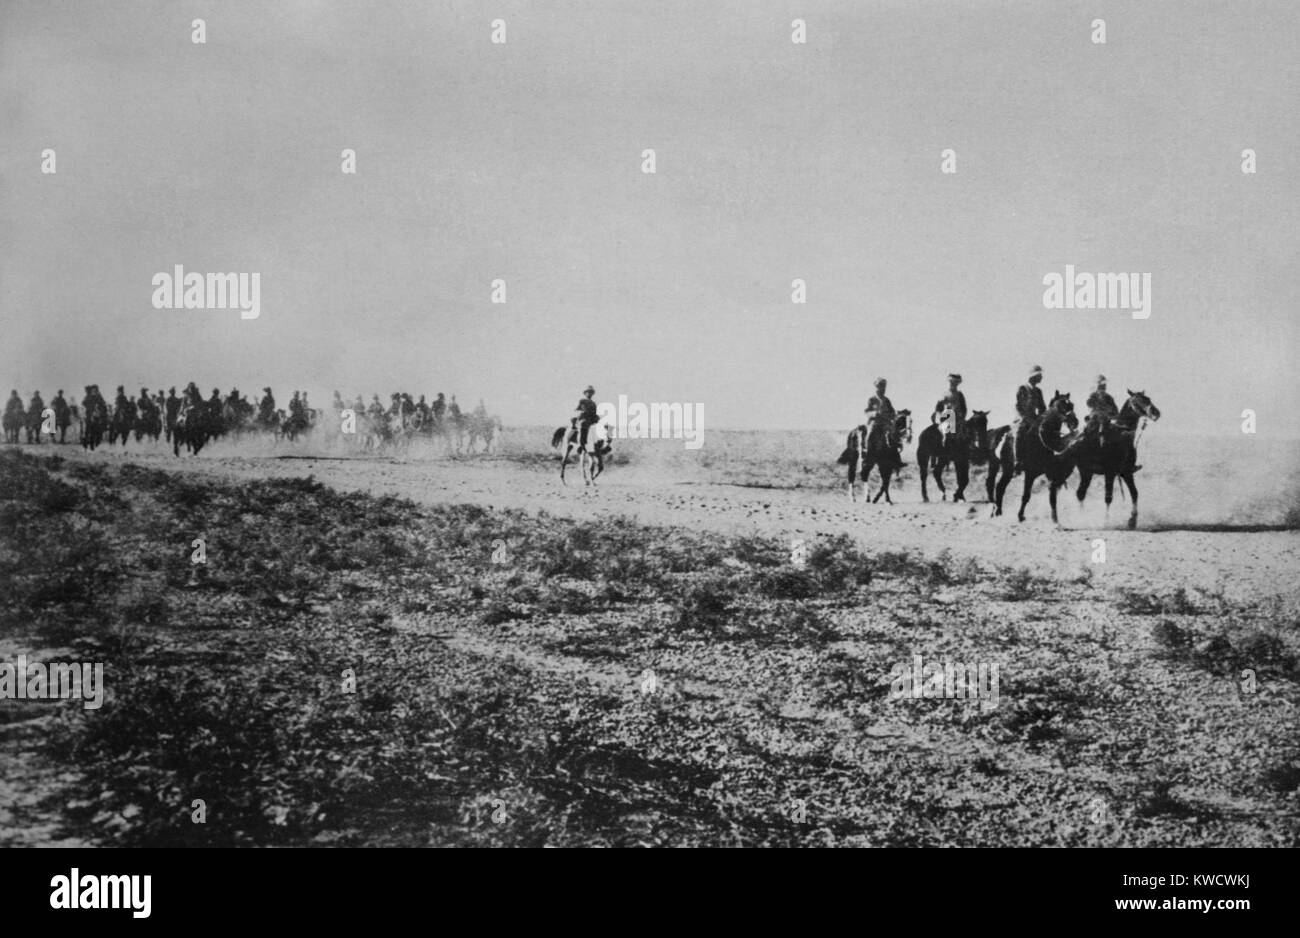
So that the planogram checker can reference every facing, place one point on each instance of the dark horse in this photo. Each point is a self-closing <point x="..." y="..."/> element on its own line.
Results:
<point x="874" y="449"/>
<point x="94" y="424"/>
<point x="975" y="445"/>
<point x="1110" y="449"/>
<point x="121" y="422"/>
<point x="193" y="426"/>
<point x="1045" y="453"/>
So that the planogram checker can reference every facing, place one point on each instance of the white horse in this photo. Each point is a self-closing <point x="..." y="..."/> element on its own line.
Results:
<point x="591" y="457"/>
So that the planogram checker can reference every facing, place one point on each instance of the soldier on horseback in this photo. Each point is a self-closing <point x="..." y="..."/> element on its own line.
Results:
<point x="880" y="413"/>
<point x="266" y="409"/>
<point x="14" y="418"/>
<point x="35" y="408"/>
<point x="1102" y="410"/>
<point x="1030" y="406"/>
<point x="172" y="408"/>
<point x="1103" y="414"/>
<point x="62" y="415"/>
<point x="952" y="403"/>
<point x="584" y="415"/>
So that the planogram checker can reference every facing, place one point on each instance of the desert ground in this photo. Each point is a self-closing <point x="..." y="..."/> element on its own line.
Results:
<point x="644" y="661"/>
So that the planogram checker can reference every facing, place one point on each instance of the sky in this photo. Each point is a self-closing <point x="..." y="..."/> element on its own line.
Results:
<point x="522" y="162"/>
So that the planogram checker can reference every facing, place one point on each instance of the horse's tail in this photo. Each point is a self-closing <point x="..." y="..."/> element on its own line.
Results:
<point x="557" y="437"/>
<point x="850" y="449"/>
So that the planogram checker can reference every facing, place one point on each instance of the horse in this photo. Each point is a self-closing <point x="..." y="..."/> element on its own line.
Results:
<point x="935" y="448"/>
<point x="94" y="424"/>
<point x="1042" y="456"/>
<point x="872" y="448"/>
<point x="149" y="424"/>
<point x="15" y="419"/>
<point x="193" y="427"/>
<point x="121" y="422"/>
<point x="482" y="427"/>
<point x="297" y="423"/>
<point x="593" y="453"/>
<point x="36" y="423"/>
<point x="1110" y="449"/>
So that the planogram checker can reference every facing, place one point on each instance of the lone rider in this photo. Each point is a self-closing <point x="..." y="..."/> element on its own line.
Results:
<point x="955" y="402"/>
<point x="585" y="415"/>
<point x="1029" y="407"/>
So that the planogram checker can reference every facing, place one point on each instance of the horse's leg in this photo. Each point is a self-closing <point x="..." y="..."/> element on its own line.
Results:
<point x="1085" y="479"/>
<point x="853" y="472"/>
<point x="1051" y="497"/>
<point x="1110" y="491"/>
<point x="1006" y="476"/>
<point x="963" y="479"/>
<point x="564" y="462"/>
<point x="923" y="469"/>
<point x="886" y="472"/>
<point x="1133" y="491"/>
<point x="940" y="464"/>
<point x="991" y="477"/>
<point x="1030" y="476"/>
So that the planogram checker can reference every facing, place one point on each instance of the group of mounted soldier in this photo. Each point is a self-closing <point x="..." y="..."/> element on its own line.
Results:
<point x="188" y="419"/>
<point x="1044" y="439"/>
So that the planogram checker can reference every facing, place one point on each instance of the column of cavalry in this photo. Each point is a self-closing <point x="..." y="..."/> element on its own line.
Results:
<point x="191" y="421"/>
<point x="1046" y="439"/>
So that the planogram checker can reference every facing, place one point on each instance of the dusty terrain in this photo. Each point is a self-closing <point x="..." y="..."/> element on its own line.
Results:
<point x="642" y="663"/>
<point x="1194" y="531"/>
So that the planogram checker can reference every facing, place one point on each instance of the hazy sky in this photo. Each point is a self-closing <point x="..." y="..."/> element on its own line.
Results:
<point x="775" y="161"/>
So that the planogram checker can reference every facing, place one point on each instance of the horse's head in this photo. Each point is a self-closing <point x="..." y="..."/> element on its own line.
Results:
<point x="1062" y="405"/>
<point x="978" y="425"/>
<point x="903" y="425"/>
<point x="1141" y="405"/>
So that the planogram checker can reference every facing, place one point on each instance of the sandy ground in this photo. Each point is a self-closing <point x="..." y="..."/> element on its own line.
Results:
<point x="1243" y="565"/>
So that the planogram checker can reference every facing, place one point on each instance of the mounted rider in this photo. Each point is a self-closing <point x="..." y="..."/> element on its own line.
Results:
<point x="952" y="403"/>
<point x="585" y="415"/>
<point x="266" y="409"/>
<point x="1030" y="406"/>
<point x="1103" y="414"/>
<point x="62" y="414"/>
<point x="880" y="412"/>
<point x="35" y="410"/>
<point x="1102" y="410"/>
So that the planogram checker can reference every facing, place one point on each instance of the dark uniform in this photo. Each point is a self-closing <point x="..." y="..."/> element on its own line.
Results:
<point x="173" y="406"/>
<point x="880" y="410"/>
<point x="34" y="419"/>
<point x="585" y="418"/>
<point x="62" y="415"/>
<point x="956" y="402"/>
<point x="266" y="410"/>
<point x="1029" y="407"/>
